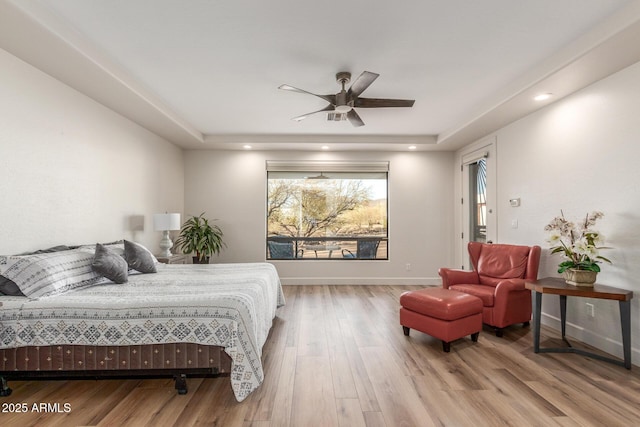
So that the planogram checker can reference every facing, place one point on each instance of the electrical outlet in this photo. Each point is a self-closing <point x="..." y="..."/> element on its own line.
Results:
<point x="591" y="312"/>
<point x="408" y="266"/>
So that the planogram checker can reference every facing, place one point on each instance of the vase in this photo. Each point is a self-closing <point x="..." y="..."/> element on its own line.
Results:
<point x="580" y="277"/>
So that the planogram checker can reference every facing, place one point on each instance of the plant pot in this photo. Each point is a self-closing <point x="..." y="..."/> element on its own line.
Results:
<point x="197" y="260"/>
<point x="580" y="277"/>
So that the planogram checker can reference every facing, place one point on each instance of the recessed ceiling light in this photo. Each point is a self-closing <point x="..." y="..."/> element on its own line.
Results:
<point x="246" y="147"/>
<point x="542" y="96"/>
<point x="413" y="147"/>
<point x="325" y="147"/>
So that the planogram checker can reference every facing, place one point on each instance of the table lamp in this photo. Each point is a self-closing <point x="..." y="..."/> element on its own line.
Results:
<point x="166" y="222"/>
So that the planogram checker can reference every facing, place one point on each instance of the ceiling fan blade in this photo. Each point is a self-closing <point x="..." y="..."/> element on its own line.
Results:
<point x="304" y="116"/>
<point x="380" y="103"/>
<point x="354" y="118"/>
<point x="329" y="98"/>
<point x="362" y="83"/>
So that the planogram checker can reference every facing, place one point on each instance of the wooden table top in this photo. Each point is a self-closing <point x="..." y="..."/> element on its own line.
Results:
<point x="557" y="286"/>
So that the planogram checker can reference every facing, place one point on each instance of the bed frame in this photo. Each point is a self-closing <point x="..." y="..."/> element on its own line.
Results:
<point x="78" y="361"/>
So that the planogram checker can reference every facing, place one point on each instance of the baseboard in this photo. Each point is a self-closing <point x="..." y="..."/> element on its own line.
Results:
<point x="609" y="345"/>
<point x="409" y="281"/>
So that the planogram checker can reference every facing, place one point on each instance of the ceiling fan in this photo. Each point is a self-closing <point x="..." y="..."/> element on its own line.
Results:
<point x="342" y="105"/>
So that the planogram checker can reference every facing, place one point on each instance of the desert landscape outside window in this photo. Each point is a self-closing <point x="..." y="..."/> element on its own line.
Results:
<point x="327" y="215"/>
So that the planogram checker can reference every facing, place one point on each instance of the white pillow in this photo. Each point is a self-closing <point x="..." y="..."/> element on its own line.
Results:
<point x="50" y="273"/>
<point x="117" y="247"/>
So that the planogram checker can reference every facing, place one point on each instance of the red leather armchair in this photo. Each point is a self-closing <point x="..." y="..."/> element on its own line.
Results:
<point x="498" y="276"/>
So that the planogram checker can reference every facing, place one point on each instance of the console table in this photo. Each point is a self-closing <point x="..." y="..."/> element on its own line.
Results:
<point x="557" y="286"/>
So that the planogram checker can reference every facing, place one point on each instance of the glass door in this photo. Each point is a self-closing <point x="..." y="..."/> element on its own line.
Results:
<point x="478" y="201"/>
<point x="478" y="197"/>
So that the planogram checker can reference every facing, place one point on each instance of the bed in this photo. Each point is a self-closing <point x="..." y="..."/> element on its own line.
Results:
<point x="181" y="320"/>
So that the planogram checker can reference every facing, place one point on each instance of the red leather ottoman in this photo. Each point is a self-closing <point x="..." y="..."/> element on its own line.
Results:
<point x="441" y="313"/>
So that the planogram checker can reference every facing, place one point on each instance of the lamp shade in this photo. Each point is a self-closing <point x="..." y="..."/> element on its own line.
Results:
<point x="166" y="221"/>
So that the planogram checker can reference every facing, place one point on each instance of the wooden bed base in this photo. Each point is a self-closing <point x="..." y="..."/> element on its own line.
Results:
<point x="72" y="361"/>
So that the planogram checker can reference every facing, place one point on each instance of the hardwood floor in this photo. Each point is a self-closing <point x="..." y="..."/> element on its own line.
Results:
<point x="336" y="356"/>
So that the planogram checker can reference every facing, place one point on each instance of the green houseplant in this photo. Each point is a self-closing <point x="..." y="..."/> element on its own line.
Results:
<point x="580" y="244"/>
<point x="199" y="237"/>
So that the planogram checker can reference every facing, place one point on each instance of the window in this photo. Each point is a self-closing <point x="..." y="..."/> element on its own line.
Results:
<point x="321" y="210"/>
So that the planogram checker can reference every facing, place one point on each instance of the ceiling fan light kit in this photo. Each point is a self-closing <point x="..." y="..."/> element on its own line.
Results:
<point x="342" y="105"/>
<point x="343" y="109"/>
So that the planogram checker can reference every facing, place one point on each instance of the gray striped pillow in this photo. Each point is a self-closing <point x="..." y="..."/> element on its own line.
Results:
<point x="50" y="274"/>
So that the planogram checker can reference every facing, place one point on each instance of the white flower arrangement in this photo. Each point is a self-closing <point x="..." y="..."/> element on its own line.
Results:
<point x="579" y="243"/>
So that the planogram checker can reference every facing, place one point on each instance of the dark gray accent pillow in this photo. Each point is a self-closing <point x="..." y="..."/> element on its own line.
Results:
<point x="139" y="258"/>
<point x="8" y="287"/>
<point x="109" y="264"/>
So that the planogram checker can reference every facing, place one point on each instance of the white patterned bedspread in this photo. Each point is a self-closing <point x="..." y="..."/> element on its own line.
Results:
<point x="228" y="305"/>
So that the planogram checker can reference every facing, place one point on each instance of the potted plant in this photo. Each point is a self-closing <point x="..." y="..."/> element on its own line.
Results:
<point x="580" y="244"/>
<point x="198" y="236"/>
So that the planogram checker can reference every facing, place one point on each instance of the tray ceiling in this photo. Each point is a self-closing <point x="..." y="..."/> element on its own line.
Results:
<point x="204" y="74"/>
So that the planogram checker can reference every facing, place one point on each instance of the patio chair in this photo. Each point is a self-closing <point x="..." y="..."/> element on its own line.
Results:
<point x="366" y="249"/>
<point x="283" y="250"/>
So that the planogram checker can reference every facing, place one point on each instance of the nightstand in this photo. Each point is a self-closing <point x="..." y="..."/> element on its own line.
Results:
<point x="175" y="259"/>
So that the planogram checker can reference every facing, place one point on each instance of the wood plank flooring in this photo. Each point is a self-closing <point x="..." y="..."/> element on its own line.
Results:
<point x="336" y="356"/>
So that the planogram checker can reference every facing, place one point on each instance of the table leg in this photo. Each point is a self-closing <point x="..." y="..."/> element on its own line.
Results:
<point x="563" y="316"/>
<point x="537" y="301"/>
<point x="625" y="322"/>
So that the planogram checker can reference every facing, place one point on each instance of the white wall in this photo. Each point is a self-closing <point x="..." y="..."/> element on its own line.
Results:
<point x="73" y="171"/>
<point x="231" y="187"/>
<point x="579" y="155"/>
